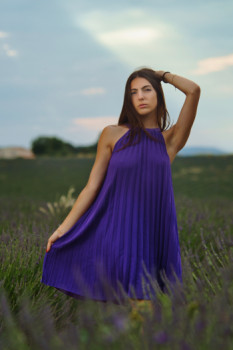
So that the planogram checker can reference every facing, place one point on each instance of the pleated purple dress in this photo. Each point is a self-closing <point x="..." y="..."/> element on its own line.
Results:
<point x="128" y="237"/>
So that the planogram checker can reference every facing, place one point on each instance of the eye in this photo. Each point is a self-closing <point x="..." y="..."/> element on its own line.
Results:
<point x="148" y="89"/>
<point x="133" y="92"/>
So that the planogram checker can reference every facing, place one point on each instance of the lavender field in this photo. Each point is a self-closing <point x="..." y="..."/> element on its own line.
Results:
<point x="197" y="315"/>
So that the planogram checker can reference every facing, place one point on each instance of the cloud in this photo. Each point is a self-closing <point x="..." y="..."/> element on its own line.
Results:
<point x="135" y="36"/>
<point x="3" y="35"/>
<point x="129" y="36"/>
<point x="93" y="91"/>
<point x="213" y="64"/>
<point x="9" y="52"/>
<point x="96" y="124"/>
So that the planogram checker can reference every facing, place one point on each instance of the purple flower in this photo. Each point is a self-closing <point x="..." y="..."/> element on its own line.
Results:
<point x="120" y="322"/>
<point x="200" y="326"/>
<point x="184" y="346"/>
<point x="160" y="337"/>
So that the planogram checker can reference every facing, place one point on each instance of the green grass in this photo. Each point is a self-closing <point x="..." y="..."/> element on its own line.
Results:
<point x="49" y="178"/>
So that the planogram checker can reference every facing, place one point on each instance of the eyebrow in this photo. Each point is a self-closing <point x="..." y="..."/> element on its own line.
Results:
<point x="143" y="87"/>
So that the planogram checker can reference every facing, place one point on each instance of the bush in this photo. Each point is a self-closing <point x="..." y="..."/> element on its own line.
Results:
<point x="52" y="146"/>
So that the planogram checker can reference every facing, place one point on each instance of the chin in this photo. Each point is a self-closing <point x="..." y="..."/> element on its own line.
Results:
<point x="144" y="112"/>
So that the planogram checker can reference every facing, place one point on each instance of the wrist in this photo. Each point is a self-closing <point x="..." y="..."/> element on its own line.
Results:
<point x="164" y="76"/>
<point x="60" y="232"/>
<point x="168" y="78"/>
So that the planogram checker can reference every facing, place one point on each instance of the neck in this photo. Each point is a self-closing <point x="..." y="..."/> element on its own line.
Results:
<point x="150" y="121"/>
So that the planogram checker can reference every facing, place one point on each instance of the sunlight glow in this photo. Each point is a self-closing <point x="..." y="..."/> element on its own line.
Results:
<point x="213" y="64"/>
<point x="129" y="36"/>
<point x="96" y="124"/>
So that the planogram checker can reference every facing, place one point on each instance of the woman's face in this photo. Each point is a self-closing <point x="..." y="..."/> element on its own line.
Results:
<point x="143" y="96"/>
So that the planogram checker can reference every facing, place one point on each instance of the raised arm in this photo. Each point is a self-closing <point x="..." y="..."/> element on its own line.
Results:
<point x="178" y="134"/>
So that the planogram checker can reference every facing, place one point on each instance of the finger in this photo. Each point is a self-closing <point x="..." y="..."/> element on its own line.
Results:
<point x="48" y="246"/>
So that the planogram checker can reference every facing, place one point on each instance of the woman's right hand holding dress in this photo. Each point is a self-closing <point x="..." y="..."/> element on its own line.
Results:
<point x="57" y="234"/>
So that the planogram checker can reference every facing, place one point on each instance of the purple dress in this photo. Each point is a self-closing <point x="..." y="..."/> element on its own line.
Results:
<point x="128" y="237"/>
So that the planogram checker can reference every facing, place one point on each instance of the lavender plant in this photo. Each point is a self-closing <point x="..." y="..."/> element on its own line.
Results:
<point x="59" y="207"/>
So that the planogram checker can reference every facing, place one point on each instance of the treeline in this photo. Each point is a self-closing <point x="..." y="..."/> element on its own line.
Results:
<point x="53" y="146"/>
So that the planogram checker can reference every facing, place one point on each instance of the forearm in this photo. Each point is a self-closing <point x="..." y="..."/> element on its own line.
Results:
<point x="183" y="84"/>
<point x="83" y="202"/>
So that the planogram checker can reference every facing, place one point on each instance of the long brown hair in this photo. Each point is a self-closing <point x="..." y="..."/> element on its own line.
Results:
<point x="130" y="116"/>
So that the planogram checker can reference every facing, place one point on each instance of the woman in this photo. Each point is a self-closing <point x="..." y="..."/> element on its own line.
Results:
<point x="121" y="236"/>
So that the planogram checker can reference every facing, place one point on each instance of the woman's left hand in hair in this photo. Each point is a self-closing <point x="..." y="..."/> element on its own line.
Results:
<point x="160" y="72"/>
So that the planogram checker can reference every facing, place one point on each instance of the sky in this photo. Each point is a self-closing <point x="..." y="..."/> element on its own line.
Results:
<point x="64" y="65"/>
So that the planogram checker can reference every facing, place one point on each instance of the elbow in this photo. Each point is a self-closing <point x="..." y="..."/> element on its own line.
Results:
<point x="196" y="90"/>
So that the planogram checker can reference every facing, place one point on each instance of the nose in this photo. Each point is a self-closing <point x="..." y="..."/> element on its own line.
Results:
<point x="140" y="95"/>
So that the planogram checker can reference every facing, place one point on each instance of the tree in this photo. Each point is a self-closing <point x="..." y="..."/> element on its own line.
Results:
<point x="52" y="146"/>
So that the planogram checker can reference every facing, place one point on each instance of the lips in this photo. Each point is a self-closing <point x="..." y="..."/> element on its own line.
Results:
<point x="142" y="106"/>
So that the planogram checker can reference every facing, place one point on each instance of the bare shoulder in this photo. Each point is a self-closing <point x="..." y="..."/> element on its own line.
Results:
<point x="112" y="133"/>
